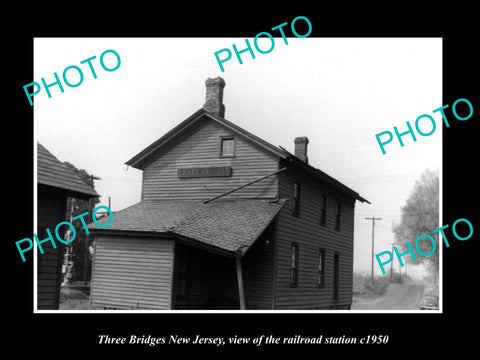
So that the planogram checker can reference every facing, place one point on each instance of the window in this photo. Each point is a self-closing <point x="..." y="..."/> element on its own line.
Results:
<point x="294" y="265"/>
<point x="323" y="210"/>
<point x="337" y="216"/>
<point x="296" y="200"/>
<point x="321" y="267"/>
<point x="227" y="147"/>
<point x="336" y="269"/>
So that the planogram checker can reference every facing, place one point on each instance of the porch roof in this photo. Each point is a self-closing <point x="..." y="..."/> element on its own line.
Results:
<point x="231" y="226"/>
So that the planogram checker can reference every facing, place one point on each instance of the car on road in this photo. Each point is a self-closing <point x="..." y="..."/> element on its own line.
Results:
<point x="429" y="302"/>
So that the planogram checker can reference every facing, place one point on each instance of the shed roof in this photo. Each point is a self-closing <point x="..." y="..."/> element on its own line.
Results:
<point x="229" y="226"/>
<point x="52" y="172"/>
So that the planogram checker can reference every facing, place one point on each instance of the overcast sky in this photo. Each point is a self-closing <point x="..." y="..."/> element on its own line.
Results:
<point x="339" y="92"/>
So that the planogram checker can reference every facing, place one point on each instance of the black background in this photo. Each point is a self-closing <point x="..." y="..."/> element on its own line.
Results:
<point x="60" y="335"/>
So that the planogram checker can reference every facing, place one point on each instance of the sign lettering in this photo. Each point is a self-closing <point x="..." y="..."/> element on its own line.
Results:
<point x="222" y="171"/>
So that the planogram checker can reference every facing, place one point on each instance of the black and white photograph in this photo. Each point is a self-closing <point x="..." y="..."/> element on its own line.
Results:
<point x="264" y="185"/>
<point x="253" y="189"/>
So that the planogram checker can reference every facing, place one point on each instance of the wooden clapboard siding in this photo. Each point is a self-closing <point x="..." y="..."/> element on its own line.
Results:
<point x="132" y="272"/>
<point x="310" y="236"/>
<point x="201" y="148"/>
<point x="258" y="270"/>
<point x="51" y="211"/>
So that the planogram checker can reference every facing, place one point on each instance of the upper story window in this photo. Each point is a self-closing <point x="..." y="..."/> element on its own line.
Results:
<point x="323" y="210"/>
<point x="337" y="216"/>
<point x="227" y="146"/>
<point x="296" y="199"/>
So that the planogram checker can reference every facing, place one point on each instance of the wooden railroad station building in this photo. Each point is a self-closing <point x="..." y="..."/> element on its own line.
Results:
<point x="226" y="221"/>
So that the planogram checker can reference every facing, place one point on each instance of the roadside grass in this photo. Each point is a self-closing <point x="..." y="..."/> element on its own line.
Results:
<point x="431" y="289"/>
<point x="73" y="299"/>
<point x="363" y="288"/>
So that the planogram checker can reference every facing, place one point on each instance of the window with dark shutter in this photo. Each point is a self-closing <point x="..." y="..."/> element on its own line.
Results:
<point x="321" y="267"/>
<point x="294" y="265"/>
<point x="336" y="270"/>
<point x="296" y="200"/>
<point x="323" y="210"/>
<point x="337" y="216"/>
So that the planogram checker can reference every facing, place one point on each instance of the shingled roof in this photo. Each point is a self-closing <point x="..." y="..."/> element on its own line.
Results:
<point x="230" y="226"/>
<point x="52" y="172"/>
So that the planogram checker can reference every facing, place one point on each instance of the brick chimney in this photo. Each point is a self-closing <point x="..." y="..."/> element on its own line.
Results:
<point x="301" y="148"/>
<point x="214" y="98"/>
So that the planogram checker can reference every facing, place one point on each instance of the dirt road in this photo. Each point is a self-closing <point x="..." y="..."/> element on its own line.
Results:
<point x="396" y="297"/>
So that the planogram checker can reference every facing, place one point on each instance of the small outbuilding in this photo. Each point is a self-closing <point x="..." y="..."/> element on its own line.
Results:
<point x="55" y="183"/>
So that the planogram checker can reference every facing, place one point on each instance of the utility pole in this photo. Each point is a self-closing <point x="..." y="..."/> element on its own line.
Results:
<point x="66" y="269"/>
<point x="391" y="266"/>
<point x="90" y="208"/>
<point x="373" y="218"/>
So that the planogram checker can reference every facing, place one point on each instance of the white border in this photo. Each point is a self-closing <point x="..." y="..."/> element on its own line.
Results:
<point x="35" y="259"/>
<point x="35" y="212"/>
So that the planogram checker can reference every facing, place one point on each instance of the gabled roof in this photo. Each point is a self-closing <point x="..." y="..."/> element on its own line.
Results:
<point x="229" y="227"/>
<point x="52" y="172"/>
<point x="144" y="157"/>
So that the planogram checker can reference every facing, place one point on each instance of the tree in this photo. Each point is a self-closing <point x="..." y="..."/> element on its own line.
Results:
<point x="420" y="216"/>
<point x="78" y="245"/>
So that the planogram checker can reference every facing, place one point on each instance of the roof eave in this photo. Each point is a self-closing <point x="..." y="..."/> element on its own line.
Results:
<point x="319" y="174"/>
<point x="361" y="199"/>
<point x="139" y="160"/>
<point x="78" y="194"/>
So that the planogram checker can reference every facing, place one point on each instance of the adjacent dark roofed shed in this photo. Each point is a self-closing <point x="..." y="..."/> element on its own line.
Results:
<point x="55" y="183"/>
<point x="52" y="172"/>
